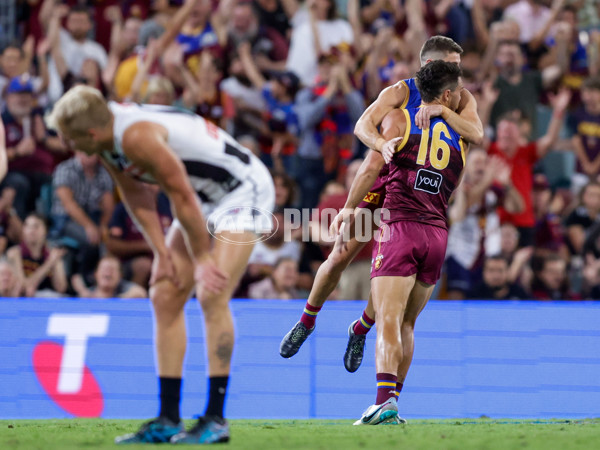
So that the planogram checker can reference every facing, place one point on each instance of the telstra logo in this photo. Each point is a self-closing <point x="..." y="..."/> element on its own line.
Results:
<point x="61" y="369"/>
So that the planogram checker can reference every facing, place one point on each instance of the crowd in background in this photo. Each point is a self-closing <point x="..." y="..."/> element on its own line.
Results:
<point x="289" y="79"/>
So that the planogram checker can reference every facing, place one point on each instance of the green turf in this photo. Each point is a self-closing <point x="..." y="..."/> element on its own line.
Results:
<point x="323" y="434"/>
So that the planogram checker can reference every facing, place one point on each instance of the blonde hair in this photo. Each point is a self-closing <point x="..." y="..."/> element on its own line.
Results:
<point x="159" y="84"/>
<point x="79" y="109"/>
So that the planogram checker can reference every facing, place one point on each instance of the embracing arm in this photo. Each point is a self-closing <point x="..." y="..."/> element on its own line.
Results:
<point x="366" y="126"/>
<point x="467" y="122"/>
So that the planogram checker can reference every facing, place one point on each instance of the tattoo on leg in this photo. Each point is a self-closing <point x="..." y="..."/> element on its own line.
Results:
<point x="225" y="348"/>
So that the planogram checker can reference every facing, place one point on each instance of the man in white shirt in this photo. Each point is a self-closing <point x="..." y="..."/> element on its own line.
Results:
<point x="75" y="45"/>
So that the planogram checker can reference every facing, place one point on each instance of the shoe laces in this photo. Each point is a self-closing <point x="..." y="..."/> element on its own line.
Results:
<point x="299" y="333"/>
<point x="358" y="343"/>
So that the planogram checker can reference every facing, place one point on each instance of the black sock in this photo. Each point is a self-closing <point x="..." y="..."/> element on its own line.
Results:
<point x="217" y="390"/>
<point x="170" y="397"/>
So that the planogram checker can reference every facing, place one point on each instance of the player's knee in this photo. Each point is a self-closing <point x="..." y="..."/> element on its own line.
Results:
<point x="212" y="303"/>
<point x="168" y="299"/>
<point x="408" y="325"/>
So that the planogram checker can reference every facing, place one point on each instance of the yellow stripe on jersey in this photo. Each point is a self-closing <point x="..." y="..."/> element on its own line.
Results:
<point x="405" y="102"/>
<point x="406" y="132"/>
<point x="463" y="151"/>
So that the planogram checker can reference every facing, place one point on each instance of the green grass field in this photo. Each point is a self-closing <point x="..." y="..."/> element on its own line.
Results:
<point x="323" y="434"/>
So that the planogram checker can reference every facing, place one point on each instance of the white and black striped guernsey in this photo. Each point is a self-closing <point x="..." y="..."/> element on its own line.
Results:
<point x="215" y="162"/>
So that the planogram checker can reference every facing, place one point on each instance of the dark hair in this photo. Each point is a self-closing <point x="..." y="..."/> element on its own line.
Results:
<point x="570" y="8"/>
<point x="510" y="42"/>
<point x="16" y="46"/>
<point x="439" y="44"/>
<point x="585" y="188"/>
<point x="39" y="217"/>
<point x="332" y="12"/>
<point x="80" y="9"/>
<point x="591" y="83"/>
<point x="495" y="258"/>
<point x="289" y="183"/>
<point x="433" y="78"/>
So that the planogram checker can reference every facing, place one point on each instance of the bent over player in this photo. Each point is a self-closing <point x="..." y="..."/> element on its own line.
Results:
<point x="370" y="180"/>
<point x="192" y="161"/>
<point x="407" y="261"/>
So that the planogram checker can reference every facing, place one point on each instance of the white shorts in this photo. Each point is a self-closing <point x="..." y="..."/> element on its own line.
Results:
<point x="248" y="207"/>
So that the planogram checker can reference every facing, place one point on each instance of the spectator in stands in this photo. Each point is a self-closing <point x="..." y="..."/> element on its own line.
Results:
<point x="109" y="282"/>
<point x="276" y="15"/>
<point x="475" y="226"/>
<point x="40" y="268"/>
<point x="355" y="282"/>
<point x="327" y="112"/>
<point x="495" y="284"/>
<point x="313" y="34"/>
<point x="126" y="242"/>
<point x="585" y="124"/>
<point x="124" y="38"/>
<point x="591" y="277"/>
<point x="75" y="45"/>
<point x="10" y="285"/>
<point x="583" y="217"/>
<point x="282" y="120"/>
<point x="285" y="190"/>
<point x="14" y="63"/>
<point x="10" y="227"/>
<point x="268" y="48"/>
<point x="530" y="15"/>
<point x="549" y="232"/>
<point x="550" y="281"/>
<point x="563" y="31"/>
<point x="28" y="147"/>
<point x="201" y="91"/>
<point x="519" y="88"/>
<point x="267" y="252"/>
<point x="82" y="206"/>
<point x="521" y="156"/>
<point x="281" y="284"/>
<point x="518" y="258"/>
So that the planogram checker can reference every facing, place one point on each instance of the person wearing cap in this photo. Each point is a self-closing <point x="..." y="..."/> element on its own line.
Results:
<point x="28" y="148"/>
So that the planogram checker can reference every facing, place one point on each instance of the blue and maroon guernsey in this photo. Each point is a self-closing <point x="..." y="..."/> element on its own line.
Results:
<point x="424" y="172"/>
<point x="376" y="195"/>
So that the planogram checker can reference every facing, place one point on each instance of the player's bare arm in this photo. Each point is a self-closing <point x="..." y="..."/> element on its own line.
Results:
<point x="365" y="177"/>
<point x="392" y="127"/>
<point x="464" y="121"/>
<point x="141" y="205"/>
<point x="145" y="143"/>
<point x="366" y="127"/>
